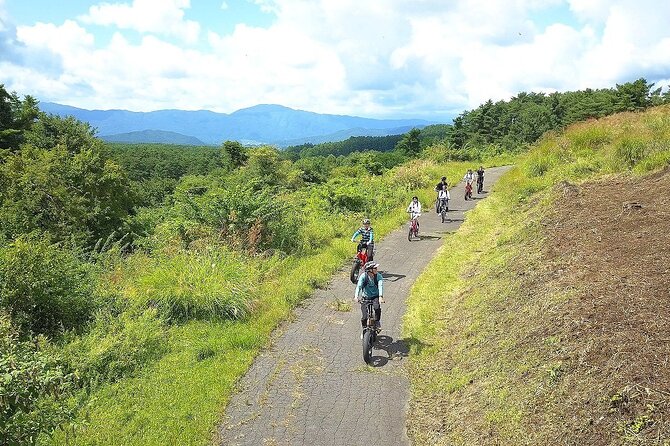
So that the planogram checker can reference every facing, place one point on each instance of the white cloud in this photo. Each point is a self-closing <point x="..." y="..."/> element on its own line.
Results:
<point x="377" y="58"/>
<point x="146" y="16"/>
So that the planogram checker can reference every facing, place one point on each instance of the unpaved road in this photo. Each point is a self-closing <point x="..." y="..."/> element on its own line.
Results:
<point x="311" y="386"/>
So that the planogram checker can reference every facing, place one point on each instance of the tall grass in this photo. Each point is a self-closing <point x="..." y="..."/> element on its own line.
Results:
<point x="204" y="284"/>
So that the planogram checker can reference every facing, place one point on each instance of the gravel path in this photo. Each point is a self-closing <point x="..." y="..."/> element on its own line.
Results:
<point x="311" y="386"/>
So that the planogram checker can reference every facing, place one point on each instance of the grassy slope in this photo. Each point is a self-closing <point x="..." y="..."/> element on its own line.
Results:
<point x="481" y="361"/>
<point x="180" y="398"/>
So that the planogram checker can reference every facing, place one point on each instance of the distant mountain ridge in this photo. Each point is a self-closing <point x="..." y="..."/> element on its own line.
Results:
<point x="154" y="136"/>
<point x="260" y="124"/>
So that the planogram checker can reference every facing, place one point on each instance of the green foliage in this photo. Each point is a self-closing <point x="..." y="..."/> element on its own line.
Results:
<point x="410" y="144"/>
<point x="45" y="288"/>
<point x="209" y="285"/>
<point x="526" y="117"/>
<point x="234" y="153"/>
<point x="67" y="190"/>
<point x="115" y="346"/>
<point x="343" y="148"/>
<point x="237" y="214"/>
<point x="630" y="151"/>
<point x="345" y="195"/>
<point x="34" y="389"/>
<point x="16" y="117"/>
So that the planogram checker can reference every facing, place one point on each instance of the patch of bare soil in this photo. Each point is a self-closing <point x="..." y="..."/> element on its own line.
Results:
<point x="609" y="242"/>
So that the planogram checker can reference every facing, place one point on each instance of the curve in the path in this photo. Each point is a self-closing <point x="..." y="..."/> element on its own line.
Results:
<point x="311" y="386"/>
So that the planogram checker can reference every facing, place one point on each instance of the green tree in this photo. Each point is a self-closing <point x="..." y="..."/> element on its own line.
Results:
<point x="234" y="152"/>
<point x="60" y="183"/>
<point x="16" y="117"/>
<point x="410" y="144"/>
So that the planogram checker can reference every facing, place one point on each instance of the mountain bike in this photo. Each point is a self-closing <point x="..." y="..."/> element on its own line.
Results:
<point x="369" y="332"/>
<point x="468" y="191"/>
<point x="443" y="208"/>
<point x="413" y="226"/>
<point x="360" y="260"/>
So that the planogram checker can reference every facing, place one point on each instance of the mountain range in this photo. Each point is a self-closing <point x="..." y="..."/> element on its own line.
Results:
<point x="260" y="124"/>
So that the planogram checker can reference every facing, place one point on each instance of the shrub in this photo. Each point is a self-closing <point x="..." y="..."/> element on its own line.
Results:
<point x="44" y="287"/>
<point x="33" y="389"/>
<point x="630" y="151"/>
<point x="208" y="284"/>
<point x="116" y="346"/>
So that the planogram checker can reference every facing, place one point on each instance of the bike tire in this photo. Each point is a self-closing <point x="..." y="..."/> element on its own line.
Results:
<point x="367" y="346"/>
<point x="355" y="270"/>
<point x="409" y="234"/>
<point x="444" y="216"/>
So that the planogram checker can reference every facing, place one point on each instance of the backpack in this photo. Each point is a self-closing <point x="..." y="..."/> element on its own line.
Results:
<point x="367" y="280"/>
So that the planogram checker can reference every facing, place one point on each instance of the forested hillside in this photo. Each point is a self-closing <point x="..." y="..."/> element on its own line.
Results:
<point x="125" y="269"/>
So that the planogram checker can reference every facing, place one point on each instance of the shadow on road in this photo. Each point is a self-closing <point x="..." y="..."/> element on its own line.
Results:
<point x="391" y="277"/>
<point x="429" y="237"/>
<point x="397" y="349"/>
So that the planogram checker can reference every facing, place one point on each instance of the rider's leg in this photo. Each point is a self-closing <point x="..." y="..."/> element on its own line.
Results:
<point x="370" y="251"/>
<point x="364" y="313"/>
<point x="378" y="312"/>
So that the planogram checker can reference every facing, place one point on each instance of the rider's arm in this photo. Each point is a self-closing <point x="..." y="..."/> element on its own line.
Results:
<point x="448" y="195"/>
<point x="380" y="285"/>
<point x="359" y="285"/>
<point x="356" y="234"/>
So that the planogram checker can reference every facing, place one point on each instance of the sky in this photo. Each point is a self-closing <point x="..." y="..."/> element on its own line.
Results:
<point x="429" y="59"/>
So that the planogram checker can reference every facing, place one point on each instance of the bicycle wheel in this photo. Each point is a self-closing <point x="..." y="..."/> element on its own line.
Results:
<point x="444" y="215"/>
<point x="367" y="346"/>
<point x="409" y="234"/>
<point x="355" y="269"/>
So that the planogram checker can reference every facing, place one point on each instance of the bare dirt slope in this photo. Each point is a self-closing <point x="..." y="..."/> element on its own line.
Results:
<point x="610" y="242"/>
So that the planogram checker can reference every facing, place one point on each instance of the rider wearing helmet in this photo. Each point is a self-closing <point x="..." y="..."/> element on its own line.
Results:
<point x="370" y="288"/>
<point x="367" y="238"/>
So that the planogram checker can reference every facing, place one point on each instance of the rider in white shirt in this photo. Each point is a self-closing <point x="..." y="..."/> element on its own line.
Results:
<point x="469" y="177"/>
<point x="414" y="209"/>
<point x="444" y="193"/>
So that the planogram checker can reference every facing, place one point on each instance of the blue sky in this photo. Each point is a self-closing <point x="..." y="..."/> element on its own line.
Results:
<point x="376" y="58"/>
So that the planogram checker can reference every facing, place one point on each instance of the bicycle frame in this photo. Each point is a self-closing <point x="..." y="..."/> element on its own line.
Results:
<point x="369" y="332"/>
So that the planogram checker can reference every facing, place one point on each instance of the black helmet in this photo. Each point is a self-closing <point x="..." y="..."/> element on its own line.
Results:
<point x="444" y="178"/>
<point x="366" y="221"/>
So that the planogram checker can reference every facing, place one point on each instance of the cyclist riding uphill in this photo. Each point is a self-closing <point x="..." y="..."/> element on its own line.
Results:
<point x="367" y="238"/>
<point x="370" y="287"/>
<point x="469" y="177"/>
<point x="414" y="209"/>
<point x="442" y="185"/>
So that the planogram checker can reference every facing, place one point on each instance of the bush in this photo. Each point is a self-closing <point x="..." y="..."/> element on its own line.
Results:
<point x="44" y="287"/>
<point x="33" y="389"/>
<point x="210" y="285"/>
<point x="116" y="346"/>
<point x="630" y="151"/>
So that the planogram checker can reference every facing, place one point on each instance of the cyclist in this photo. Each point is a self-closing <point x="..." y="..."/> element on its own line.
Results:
<point x="367" y="238"/>
<point x="442" y="185"/>
<point x="414" y="209"/>
<point x="468" y="178"/>
<point x="370" y="287"/>
<point x="480" y="180"/>
<point x="443" y="196"/>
